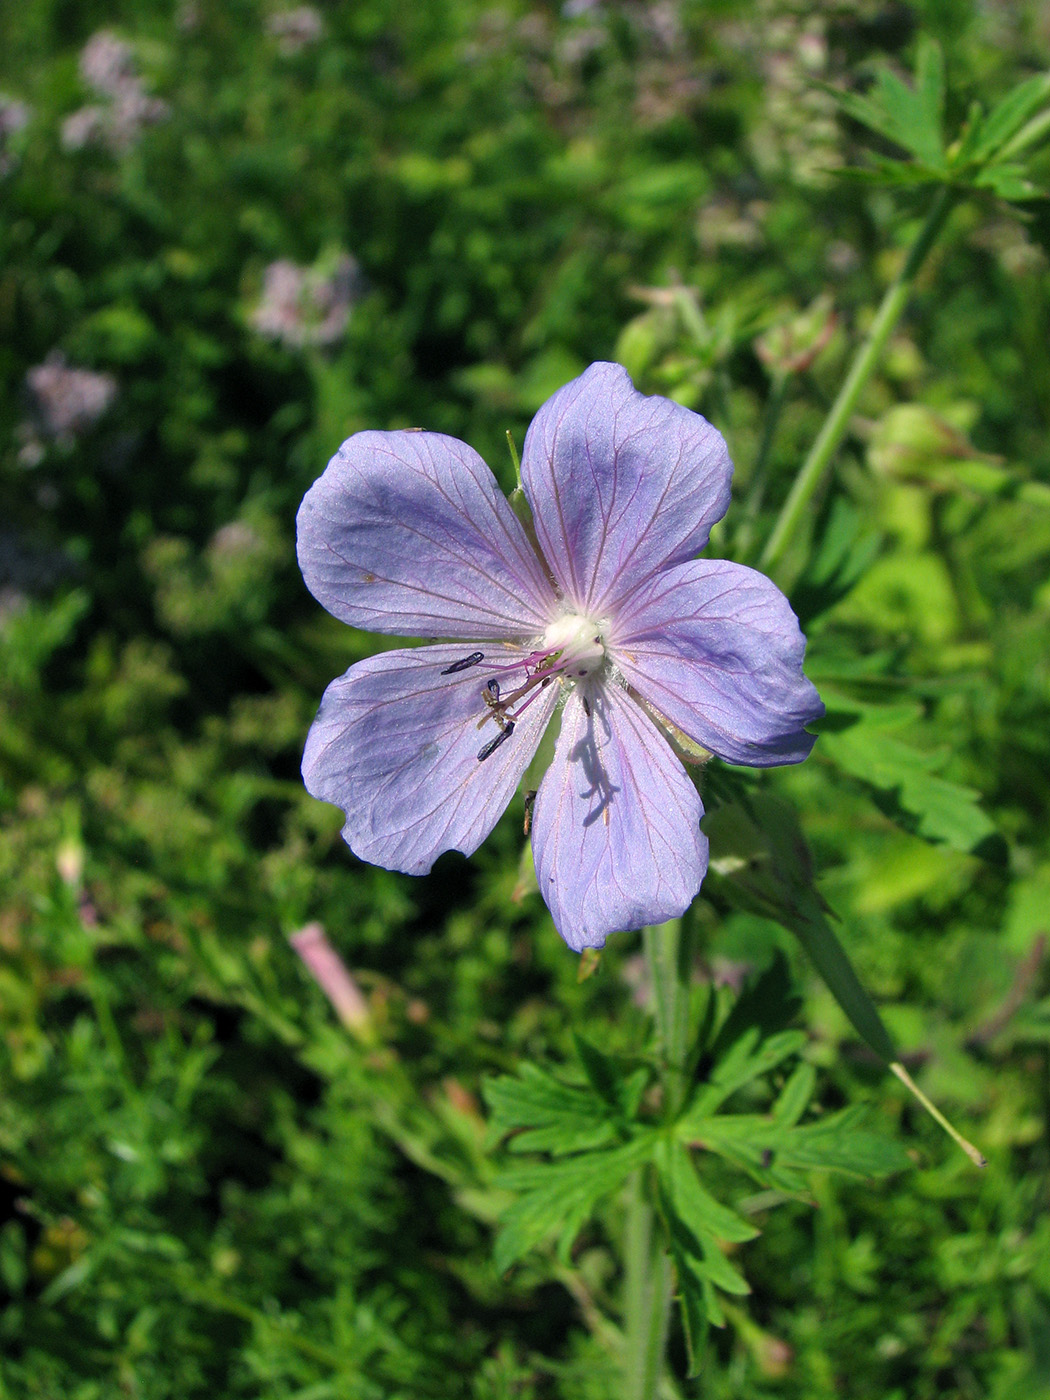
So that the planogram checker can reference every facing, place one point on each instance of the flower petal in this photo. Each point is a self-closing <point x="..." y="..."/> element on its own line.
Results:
<point x="716" y="649"/>
<point x="407" y="532"/>
<point x="620" y="485"/>
<point x="395" y="744"/>
<point x="616" y="826"/>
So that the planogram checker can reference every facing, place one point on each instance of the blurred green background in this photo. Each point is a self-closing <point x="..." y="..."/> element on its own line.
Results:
<point x="233" y="233"/>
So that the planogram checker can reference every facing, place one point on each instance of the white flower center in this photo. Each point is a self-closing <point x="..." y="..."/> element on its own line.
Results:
<point x="575" y="645"/>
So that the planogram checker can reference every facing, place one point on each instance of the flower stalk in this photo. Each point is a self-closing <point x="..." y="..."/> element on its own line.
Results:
<point x="647" y="1294"/>
<point x="648" y="1286"/>
<point x="814" y="469"/>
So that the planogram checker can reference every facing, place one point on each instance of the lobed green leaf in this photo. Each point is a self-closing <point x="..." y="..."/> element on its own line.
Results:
<point x="559" y="1196"/>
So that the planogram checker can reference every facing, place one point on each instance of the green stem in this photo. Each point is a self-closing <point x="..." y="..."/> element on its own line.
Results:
<point x="813" y="470"/>
<point x="648" y="1281"/>
<point x="668" y="953"/>
<point x="647" y="1295"/>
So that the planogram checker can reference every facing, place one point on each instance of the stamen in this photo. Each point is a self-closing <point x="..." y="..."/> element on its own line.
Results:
<point x="464" y="664"/>
<point x="517" y="714"/>
<point x="487" y="750"/>
<point x="570" y="650"/>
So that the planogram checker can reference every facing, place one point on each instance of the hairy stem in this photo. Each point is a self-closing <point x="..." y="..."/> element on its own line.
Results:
<point x="648" y="1282"/>
<point x="647" y="1294"/>
<point x="814" y="468"/>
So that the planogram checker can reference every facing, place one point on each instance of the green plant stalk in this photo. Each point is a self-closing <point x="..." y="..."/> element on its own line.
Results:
<point x="813" y="470"/>
<point x="668" y="954"/>
<point x="648" y="1281"/>
<point x="647" y="1295"/>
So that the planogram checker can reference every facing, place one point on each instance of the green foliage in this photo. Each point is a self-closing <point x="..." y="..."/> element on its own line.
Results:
<point x="596" y="1134"/>
<point x="981" y="157"/>
<point x="863" y="743"/>
<point x="912" y="117"/>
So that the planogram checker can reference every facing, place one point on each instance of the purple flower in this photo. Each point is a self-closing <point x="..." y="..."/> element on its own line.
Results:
<point x="610" y="620"/>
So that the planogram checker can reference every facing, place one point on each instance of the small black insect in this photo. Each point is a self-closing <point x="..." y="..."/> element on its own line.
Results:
<point x="464" y="663"/>
<point x="530" y="802"/>
<point x="492" y="691"/>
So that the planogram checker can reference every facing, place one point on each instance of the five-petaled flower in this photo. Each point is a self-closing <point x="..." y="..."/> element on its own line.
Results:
<point x="602" y="613"/>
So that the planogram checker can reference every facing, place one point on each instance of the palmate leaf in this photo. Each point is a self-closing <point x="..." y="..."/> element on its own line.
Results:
<point x="697" y="1224"/>
<point x="773" y="1151"/>
<point x="595" y="1136"/>
<point x="910" y="117"/>
<point x="559" y="1196"/>
<point x="546" y="1115"/>
<point x="986" y="136"/>
<point x="861" y="741"/>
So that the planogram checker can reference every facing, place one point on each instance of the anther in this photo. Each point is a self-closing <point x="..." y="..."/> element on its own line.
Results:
<point x="487" y="750"/>
<point x="464" y="663"/>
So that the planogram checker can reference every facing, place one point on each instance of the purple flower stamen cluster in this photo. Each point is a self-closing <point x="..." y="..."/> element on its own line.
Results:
<point x="601" y="611"/>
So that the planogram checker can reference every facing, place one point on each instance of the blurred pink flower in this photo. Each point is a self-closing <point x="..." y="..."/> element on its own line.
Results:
<point x="295" y="29"/>
<point x="66" y="401"/>
<point x="107" y="65"/>
<point x="81" y="128"/>
<point x="330" y="973"/>
<point x="303" y="306"/>
<point x="14" y="115"/>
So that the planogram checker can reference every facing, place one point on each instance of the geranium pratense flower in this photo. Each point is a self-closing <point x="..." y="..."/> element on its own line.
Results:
<point x="611" y="620"/>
